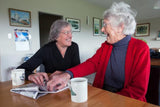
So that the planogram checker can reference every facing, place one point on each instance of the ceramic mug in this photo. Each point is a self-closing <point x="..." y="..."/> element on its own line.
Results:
<point x="18" y="76"/>
<point x="79" y="89"/>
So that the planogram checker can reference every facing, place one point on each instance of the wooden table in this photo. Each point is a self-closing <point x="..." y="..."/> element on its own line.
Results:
<point x="96" y="98"/>
<point x="155" y="62"/>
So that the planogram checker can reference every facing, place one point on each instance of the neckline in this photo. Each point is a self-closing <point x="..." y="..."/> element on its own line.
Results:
<point x="123" y="42"/>
<point x="59" y="52"/>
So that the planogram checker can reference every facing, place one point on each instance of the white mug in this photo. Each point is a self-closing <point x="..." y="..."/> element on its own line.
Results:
<point x="79" y="89"/>
<point x="18" y="76"/>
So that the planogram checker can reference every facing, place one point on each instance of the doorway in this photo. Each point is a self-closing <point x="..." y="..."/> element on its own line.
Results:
<point x="45" y="22"/>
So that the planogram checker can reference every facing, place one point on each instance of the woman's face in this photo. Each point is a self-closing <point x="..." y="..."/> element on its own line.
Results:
<point x="114" y="34"/>
<point x="65" y="37"/>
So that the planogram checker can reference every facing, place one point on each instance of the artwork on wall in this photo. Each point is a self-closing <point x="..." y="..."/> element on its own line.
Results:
<point x="96" y="26"/>
<point x="159" y="34"/>
<point x="102" y="33"/>
<point x="75" y="24"/>
<point x="19" y="18"/>
<point x="142" y="30"/>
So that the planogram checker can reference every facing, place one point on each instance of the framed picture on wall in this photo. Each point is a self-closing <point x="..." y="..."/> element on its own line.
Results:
<point x="142" y="30"/>
<point x="96" y="26"/>
<point x="75" y="24"/>
<point x="159" y="34"/>
<point x="19" y="18"/>
<point x="102" y="33"/>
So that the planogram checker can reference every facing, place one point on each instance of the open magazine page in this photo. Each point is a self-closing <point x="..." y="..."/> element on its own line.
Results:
<point x="31" y="94"/>
<point x="27" y="87"/>
<point x="42" y="89"/>
<point x="33" y="90"/>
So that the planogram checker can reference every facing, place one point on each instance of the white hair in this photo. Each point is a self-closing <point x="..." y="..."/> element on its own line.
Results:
<point x="121" y="13"/>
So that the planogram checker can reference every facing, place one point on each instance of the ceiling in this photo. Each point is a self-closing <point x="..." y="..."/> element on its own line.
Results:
<point x="144" y="8"/>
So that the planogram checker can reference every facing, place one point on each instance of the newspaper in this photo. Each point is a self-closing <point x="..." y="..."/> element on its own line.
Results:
<point x="33" y="90"/>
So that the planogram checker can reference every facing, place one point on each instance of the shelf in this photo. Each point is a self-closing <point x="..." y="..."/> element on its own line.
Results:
<point x="158" y="38"/>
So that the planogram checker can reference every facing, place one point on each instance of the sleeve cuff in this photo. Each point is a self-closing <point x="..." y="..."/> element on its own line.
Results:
<point x="27" y="74"/>
<point x="70" y="73"/>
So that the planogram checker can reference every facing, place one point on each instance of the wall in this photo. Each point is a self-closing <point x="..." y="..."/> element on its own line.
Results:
<point x="154" y="28"/>
<point x="78" y="9"/>
<point x="0" y="64"/>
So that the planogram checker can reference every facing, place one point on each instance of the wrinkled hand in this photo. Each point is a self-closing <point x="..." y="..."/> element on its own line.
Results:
<point x="58" y="81"/>
<point x="38" y="78"/>
<point x="55" y="73"/>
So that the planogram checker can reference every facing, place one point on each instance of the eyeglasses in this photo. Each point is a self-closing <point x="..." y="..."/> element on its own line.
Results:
<point x="104" y="24"/>
<point x="67" y="32"/>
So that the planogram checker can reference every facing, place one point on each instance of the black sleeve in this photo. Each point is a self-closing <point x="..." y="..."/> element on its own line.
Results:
<point x="32" y="63"/>
<point x="75" y="59"/>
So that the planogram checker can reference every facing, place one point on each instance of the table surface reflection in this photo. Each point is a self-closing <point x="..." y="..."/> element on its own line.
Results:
<point x="96" y="98"/>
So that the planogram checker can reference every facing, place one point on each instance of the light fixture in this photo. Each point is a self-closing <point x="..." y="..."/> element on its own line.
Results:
<point x="157" y="5"/>
<point x="87" y="20"/>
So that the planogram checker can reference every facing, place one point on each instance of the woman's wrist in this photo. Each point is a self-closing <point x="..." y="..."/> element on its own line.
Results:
<point x="29" y="77"/>
<point x="70" y="73"/>
<point x="67" y="75"/>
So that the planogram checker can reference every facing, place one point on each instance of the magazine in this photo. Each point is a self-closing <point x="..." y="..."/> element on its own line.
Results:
<point x="33" y="90"/>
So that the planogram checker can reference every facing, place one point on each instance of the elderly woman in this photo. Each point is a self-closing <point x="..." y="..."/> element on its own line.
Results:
<point x="59" y="54"/>
<point x="122" y="63"/>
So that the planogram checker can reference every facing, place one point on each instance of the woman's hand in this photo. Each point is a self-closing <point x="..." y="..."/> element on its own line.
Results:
<point x="55" y="73"/>
<point x="58" y="81"/>
<point x="38" y="78"/>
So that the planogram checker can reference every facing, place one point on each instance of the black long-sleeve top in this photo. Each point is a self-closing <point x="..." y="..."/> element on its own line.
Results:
<point x="51" y="58"/>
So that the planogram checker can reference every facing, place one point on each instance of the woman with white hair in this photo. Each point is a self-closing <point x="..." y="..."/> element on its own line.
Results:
<point x="60" y="53"/>
<point x="122" y="63"/>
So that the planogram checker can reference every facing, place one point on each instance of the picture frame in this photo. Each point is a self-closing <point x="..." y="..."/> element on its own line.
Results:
<point x="75" y="23"/>
<point x="96" y="26"/>
<point x="142" y="30"/>
<point x="19" y="18"/>
<point x="102" y="33"/>
<point x="158" y="34"/>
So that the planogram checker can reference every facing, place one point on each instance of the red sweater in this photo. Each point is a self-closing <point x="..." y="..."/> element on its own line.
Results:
<point x="137" y="68"/>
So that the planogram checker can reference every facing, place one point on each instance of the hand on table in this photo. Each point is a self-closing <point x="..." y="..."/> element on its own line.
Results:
<point x="38" y="78"/>
<point x="58" y="81"/>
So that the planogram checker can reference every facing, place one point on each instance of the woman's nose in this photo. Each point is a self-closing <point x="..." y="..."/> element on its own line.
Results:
<point x="102" y="30"/>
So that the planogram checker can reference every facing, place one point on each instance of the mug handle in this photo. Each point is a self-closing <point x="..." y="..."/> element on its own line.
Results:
<point x="70" y="87"/>
<point x="69" y="84"/>
<point x="13" y="75"/>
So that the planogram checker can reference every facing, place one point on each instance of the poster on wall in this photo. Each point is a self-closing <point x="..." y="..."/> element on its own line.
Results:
<point x="22" y="40"/>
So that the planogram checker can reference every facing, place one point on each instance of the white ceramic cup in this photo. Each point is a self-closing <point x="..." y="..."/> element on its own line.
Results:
<point x="18" y="76"/>
<point x="79" y="89"/>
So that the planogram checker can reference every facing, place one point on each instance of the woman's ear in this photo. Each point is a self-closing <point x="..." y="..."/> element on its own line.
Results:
<point x="121" y="28"/>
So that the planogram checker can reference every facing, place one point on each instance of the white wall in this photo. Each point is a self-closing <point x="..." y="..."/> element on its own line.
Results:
<point x="154" y="28"/>
<point x="0" y="64"/>
<point x="78" y="9"/>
